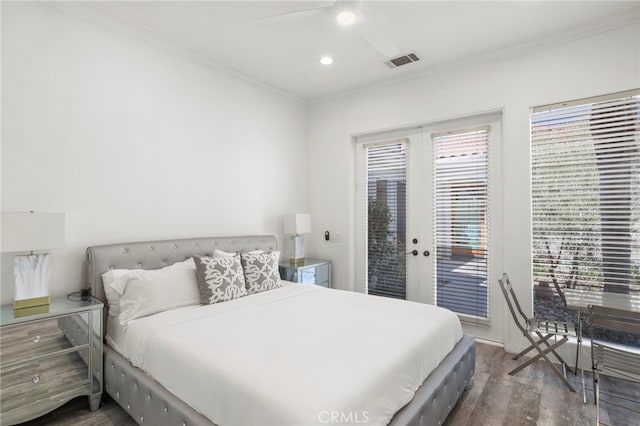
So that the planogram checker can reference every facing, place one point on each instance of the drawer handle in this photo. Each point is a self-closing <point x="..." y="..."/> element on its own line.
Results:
<point x="36" y="339"/>
<point x="35" y="379"/>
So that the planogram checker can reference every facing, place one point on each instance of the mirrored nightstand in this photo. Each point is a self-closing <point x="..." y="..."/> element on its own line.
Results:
<point x="311" y="271"/>
<point x="49" y="358"/>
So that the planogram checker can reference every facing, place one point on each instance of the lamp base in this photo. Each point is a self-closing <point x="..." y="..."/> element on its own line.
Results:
<point x="31" y="303"/>
<point x="33" y="310"/>
<point x="296" y="250"/>
<point x="32" y="275"/>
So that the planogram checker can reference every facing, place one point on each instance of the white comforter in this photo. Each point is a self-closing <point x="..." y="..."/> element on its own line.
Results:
<point x="298" y="355"/>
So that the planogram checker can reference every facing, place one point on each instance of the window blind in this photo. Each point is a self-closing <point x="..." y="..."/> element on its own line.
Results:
<point x="586" y="196"/>
<point x="386" y="177"/>
<point x="461" y="220"/>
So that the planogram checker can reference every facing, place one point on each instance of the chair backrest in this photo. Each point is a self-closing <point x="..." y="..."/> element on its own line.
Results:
<point x="519" y="317"/>
<point x="617" y="358"/>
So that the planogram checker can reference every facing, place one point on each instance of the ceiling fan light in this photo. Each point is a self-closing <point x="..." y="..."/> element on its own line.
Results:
<point x="326" y="60"/>
<point x="346" y="17"/>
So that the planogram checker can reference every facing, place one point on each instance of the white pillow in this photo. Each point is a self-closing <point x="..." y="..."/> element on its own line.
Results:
<point x="119" y="282"/>
<point x="222" y="253"/>
<point x="147" y="292"/>
<point x="113" y="298"/>
<point x="113" y="275"/>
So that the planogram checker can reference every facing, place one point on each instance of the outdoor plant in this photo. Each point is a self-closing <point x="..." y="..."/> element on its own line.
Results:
<point x="384" y="261"/>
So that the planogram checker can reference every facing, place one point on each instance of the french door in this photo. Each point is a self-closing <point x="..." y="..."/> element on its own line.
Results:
<point x="386" y="225"/>
<point x="424" y="209"/>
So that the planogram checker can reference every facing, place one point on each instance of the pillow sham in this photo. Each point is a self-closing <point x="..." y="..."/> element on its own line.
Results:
<point x="118" y="284"/>
<point x="261" y="271"/>
<point x="147" y="292"/>
<point x="113" y="298"/>
<point x="222" y="253"/>
<point x="220" y="279"/>
<point x="113" y="275"/>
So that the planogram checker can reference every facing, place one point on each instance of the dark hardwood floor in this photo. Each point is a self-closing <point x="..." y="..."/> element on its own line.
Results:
<point x="535" y="396"/>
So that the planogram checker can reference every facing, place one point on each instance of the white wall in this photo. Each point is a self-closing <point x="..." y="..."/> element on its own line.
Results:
<point x="606" y="62"/>
<point x="135" y="144"/>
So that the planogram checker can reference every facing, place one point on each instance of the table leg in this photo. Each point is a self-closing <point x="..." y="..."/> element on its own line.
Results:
<point x="579" y="346"/>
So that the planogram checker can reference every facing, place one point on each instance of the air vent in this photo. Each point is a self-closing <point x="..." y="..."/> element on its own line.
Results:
<point x="402" y="60"/>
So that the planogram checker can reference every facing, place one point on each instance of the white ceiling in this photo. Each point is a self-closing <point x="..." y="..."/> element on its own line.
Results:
<point x="283" y="52"/>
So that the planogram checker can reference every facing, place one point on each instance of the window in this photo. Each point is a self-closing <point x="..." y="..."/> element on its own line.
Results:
<point x="586" y="200"/>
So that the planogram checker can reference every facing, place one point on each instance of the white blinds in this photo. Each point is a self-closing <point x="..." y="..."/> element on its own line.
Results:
<point x="461" y="220"/>
<point x="386" y="169"/>
<point x="586" y="194"/>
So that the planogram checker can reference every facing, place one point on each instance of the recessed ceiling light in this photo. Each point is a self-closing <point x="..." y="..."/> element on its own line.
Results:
<point x="326" y="60"/>
<point x="346" y="17"/>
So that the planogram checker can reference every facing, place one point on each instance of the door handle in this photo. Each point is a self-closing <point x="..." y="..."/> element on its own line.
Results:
<point x="413" y="252"/>
<point x="426" y="253"/>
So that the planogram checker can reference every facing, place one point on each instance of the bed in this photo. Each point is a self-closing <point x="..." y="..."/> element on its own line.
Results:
<point x="159" y="395"/>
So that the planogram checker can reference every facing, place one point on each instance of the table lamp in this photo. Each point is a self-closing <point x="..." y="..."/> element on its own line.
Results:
<point x="29" y="232"/>
<point x="295" y="225"/>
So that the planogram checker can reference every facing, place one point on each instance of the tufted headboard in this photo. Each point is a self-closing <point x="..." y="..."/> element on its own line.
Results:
<point x="158" y="254"/>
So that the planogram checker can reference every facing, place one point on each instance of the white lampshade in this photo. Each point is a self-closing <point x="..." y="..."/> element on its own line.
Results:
<point x="299" y="223"/>
<point x="28" y="231"/>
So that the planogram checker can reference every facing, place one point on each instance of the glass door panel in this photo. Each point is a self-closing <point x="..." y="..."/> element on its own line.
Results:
<point x="386" y="179"/>
<point x="460" y="226"/>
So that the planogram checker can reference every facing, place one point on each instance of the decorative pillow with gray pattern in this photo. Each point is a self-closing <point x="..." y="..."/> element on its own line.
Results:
<point x="219" y="278"/>
<point x="261" y="271"/>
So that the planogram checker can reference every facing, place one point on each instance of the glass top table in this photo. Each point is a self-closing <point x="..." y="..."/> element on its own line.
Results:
<point x="580" y="300"/>
<point x="58" y="306"/>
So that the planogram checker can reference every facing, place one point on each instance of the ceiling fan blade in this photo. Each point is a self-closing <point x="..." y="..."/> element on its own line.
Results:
<point x="281" y="17"/>
<point x="376" y="38"/>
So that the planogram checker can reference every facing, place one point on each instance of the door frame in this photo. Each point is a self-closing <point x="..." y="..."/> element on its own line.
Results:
<point x="494" y="329"/>
<point x="413" y="136"/>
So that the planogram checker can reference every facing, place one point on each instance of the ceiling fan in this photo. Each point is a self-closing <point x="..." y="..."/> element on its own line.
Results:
<point x="347" y="13"/>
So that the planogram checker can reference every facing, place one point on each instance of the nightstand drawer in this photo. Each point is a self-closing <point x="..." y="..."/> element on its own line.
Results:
<point x="322" y="275"/>
<point x="35" y="380"/>
<point x="307" y="276"/>
<point x="26" y="341"/>
<point x="317" y="275"/>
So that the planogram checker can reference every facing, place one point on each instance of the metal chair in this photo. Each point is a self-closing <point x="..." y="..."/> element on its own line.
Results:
<point x="622" y="361"/>
<point x="538" y="332"/>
